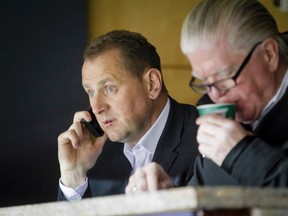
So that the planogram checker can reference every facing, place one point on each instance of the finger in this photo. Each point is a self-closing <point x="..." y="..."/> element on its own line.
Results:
<point x="153" y="172"/>
<point x="69" y="137"/>
<point x="208" y="128"/>
<point x="137" y="182"/>
<point x="80" y="131"/>
<point x="166" y="183"/>
<point x="205" y="136"/>
<point x="205" y="150"/>
<point x="129" y="187"/>
<point x="157" y="178"/>
<point x="212" y="118"/>
<point x="205" y="139"/>
<point x="78" y="116"/>
<point x="140" y="180"/>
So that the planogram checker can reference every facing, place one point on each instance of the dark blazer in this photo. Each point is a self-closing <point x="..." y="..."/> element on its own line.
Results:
<point x="175" y="152"/>
<point x="259" y="160"/>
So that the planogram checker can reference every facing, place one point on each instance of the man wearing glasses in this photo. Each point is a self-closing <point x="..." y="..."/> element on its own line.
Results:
<point x="238" y="56"/>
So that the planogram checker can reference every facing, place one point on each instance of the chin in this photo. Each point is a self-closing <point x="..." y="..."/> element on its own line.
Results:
<point x="240" y="118"/>
<point x="243" y="119"/>
<point x="114" y="137"/>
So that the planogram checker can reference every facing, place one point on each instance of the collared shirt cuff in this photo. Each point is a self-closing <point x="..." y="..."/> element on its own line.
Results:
<point x="74" y="194"/>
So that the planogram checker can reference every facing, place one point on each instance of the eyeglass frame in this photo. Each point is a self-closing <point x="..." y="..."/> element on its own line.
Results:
<point x="208" y="87"/>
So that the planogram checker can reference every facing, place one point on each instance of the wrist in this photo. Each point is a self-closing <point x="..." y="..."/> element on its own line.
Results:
<point x="72" y="179"/>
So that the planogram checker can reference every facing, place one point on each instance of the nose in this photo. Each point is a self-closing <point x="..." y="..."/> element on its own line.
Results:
<point x="98" y="104"/>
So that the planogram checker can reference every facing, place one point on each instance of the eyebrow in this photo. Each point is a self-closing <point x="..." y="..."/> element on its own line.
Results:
<point x="100" y="83"/>
<point x="226" y="69"/>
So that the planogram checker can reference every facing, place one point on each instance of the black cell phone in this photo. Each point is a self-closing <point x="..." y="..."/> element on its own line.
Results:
<point x="93" y="126"/>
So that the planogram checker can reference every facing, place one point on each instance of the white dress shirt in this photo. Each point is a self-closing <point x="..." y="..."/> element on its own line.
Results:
<point x="143" y="152"/>
<point x="138" y="156"/>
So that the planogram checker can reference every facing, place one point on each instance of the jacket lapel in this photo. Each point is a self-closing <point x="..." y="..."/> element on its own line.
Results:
<point x="278" y="117"/>
<point x="166" y="150"/>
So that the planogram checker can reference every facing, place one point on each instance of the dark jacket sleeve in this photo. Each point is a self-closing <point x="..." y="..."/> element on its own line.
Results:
<point x="251" y="163"/>
<point x="255" y="163"/>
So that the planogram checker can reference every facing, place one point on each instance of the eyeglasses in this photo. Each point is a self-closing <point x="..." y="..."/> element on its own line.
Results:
<point x="224" y="84"/>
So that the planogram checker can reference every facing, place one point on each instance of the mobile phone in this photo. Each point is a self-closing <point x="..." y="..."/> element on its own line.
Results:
<point x="93" y="126"/>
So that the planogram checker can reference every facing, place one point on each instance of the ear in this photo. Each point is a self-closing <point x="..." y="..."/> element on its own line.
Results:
<point x="271" y="54"/>
<point x="153" y="81"/>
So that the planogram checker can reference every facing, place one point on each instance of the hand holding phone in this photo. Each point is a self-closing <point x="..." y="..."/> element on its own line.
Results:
<point x="93" y="126"/>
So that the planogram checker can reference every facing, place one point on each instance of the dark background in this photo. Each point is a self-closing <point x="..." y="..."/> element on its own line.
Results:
<point x="41" y="46"/>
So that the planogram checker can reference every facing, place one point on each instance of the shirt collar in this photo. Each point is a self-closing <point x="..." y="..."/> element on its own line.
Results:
<point x="150" y="139"/>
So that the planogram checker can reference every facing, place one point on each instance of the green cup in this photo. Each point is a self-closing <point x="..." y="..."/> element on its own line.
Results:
<point x="227" y="109"/>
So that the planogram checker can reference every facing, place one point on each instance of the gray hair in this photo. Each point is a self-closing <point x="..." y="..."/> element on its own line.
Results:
<point x="239" y="23"/>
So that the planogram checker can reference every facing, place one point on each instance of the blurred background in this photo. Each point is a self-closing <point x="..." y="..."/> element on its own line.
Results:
<point x="42" y="43"/>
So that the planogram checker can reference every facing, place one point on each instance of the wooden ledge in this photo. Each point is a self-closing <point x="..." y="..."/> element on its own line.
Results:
<point x="172" y="200"/>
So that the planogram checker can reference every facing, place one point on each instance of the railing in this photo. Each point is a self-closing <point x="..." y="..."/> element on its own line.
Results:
<point x="178" y="201"/>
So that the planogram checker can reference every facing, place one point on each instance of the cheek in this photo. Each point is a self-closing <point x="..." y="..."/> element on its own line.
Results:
<point x="248" y="102"/>
<point x="251" y="83"/>
<point x="260" y="74"/>
<point x="134" y="105"/>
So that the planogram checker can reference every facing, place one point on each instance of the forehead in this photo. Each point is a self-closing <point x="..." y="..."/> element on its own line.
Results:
<point x="210" y="61"/>
<point x="108" y="64"/>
